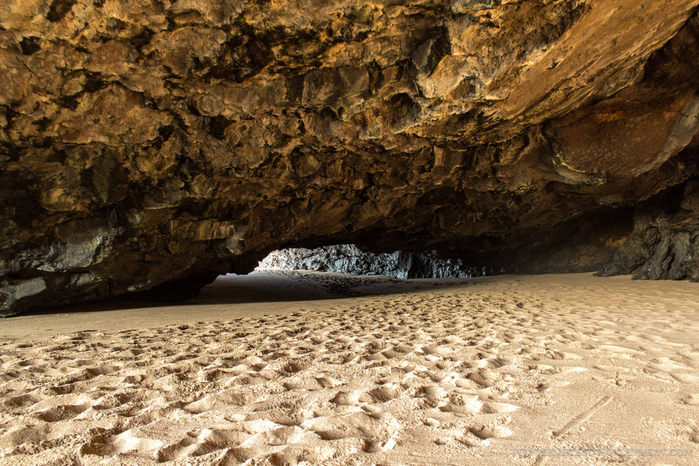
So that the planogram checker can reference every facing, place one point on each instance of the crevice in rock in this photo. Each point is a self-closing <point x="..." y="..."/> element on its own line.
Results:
<point x="30" y="45"/>
<point x="59" y="9"/>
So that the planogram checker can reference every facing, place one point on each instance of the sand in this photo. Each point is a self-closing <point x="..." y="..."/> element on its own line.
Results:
<point x="307" y="368"/>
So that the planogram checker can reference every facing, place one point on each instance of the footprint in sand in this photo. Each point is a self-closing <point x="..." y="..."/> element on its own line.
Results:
<point x="489" y="431"/>
<point x="385" y="393"/>
<point x="694" y="435"/>
<point x="692" y="400"/>
<point x="293" y="367"/>
<point x="219" y="400"/>
<point x="22" y="401"/>
<point x="492" y="407"/>
<point x="343" y="398"/>
<point x="432" y="392"/>
<point x="359" y="425"/>
<point x="485" y="378"/>
<point x="302" y="383"/>
<point x="277" y="436"/>
<point x="328" y="382"/>
<point x="471" y="440"/>
<point x="199" y="443"/>
<point x="462" y="404"/>
<point x="23" y="435"/>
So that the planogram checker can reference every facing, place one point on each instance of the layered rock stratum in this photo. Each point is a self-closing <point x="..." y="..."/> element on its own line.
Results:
<point x="152" y="144"/>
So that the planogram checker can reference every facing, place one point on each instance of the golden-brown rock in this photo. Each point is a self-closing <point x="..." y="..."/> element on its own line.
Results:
<point x="143" y="142"/>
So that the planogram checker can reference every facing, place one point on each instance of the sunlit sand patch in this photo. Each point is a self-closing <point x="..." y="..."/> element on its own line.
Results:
<point x="460" y="374"/>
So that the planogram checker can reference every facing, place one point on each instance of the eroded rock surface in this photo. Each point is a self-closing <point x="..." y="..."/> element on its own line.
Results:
<point x="144" y="142"/>
<point x="349" y="259"/>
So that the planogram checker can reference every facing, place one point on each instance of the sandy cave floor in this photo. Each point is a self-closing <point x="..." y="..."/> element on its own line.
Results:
<point x="370" y="371"/>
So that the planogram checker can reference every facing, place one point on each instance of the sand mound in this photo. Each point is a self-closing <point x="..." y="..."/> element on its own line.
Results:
<point x="449" y="375"/>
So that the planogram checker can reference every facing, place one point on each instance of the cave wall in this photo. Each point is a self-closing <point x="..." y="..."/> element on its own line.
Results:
<point x="144" y="142"/>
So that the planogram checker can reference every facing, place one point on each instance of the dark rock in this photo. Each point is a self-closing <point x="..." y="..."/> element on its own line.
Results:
<point x="664" y="243"/>
<point x="30" y="45"/>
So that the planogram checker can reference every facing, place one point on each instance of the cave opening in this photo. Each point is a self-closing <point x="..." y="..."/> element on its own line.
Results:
<point x="350" y="259"/>
<point x="337" y="271"/>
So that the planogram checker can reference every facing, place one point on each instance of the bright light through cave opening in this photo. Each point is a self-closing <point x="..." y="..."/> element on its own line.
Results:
<point x="350" y="259"/>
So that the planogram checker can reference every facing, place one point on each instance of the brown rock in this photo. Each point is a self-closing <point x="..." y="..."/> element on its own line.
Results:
<point x="142" y="143"/>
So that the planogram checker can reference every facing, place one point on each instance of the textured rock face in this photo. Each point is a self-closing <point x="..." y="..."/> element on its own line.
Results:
<point x="144" y="142"/>
<point x="349" y="259"/>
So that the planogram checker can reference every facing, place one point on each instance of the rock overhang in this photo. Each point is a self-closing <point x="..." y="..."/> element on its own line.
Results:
<point x="145" y="142"/>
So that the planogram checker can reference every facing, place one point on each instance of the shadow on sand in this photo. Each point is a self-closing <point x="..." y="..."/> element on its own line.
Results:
<point x="271" y="287"/>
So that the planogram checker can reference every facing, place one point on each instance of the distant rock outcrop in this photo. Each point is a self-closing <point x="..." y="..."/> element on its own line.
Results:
<point x="349" y="259"/>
